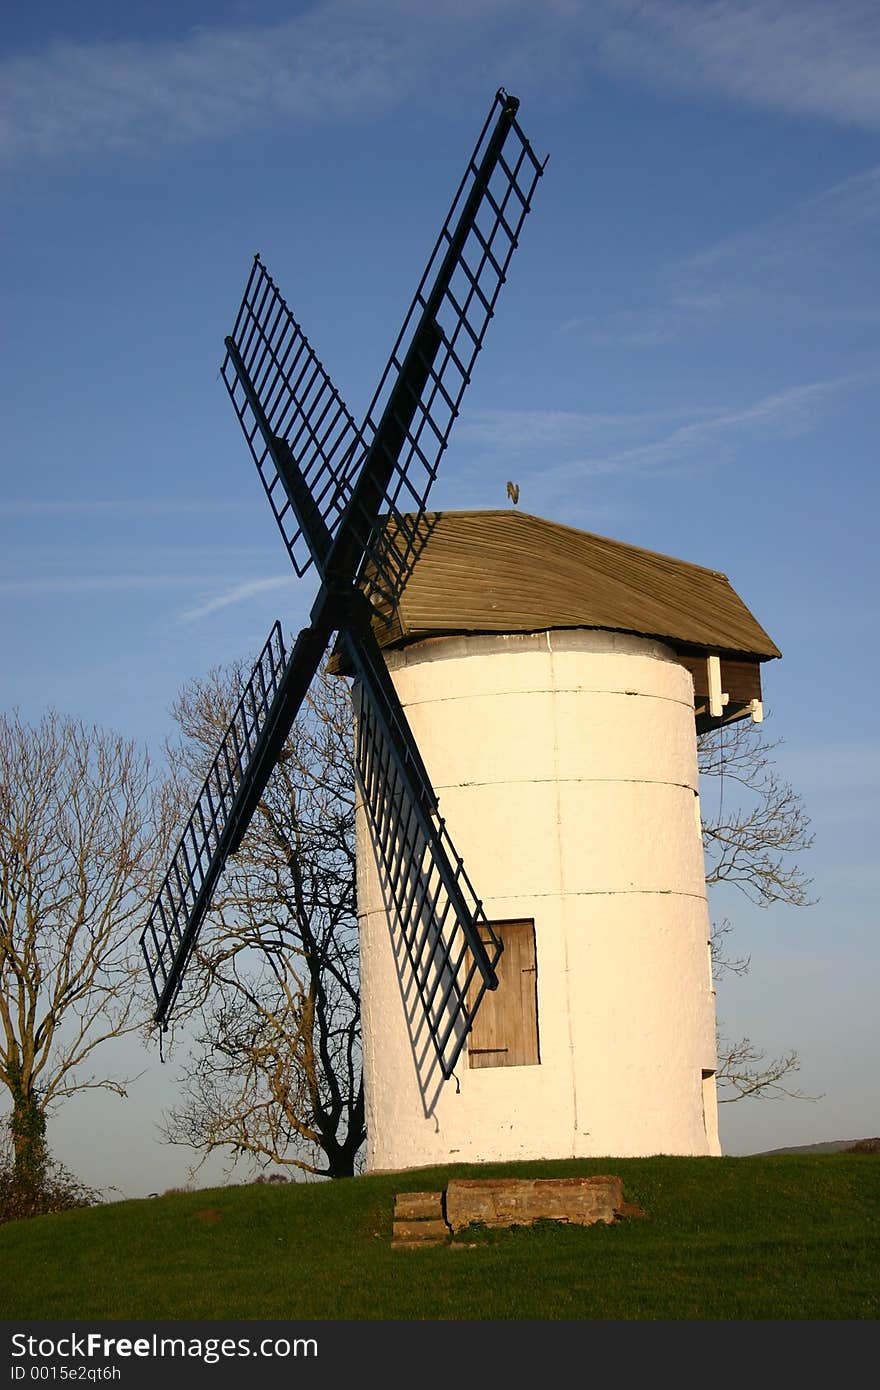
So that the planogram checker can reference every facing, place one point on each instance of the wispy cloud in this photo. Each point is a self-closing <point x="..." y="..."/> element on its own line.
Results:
<point x="343" y="60"/>
<point x="122" y="506"/>
<point x="75" y="584"/>
<point x="537" y="431"/>
<point x="808" y="264"/>
<point x="803" y="57"/>
<point x="815" y="231"/>
<point x="574" y="445"/>
<point x="239" y="593"/>
<point x="339" y="61"/>
<point x="644" y="326"/>
<point x="706" y="442"/>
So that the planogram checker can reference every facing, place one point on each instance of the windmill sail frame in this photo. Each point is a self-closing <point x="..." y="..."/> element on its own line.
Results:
<point x="332" y="487"/>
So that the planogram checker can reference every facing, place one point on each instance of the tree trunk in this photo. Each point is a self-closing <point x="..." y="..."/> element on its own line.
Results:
<point x="28" y="1128"/>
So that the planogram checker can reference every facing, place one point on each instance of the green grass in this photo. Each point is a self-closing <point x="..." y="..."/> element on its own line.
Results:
<point x="736" y="1238"/>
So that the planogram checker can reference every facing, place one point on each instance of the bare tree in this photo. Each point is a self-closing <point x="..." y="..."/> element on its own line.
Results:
<point x="83" y="835"/>
<point x="760" y="824"/>
<point x="751" y="842"/>
<point x="745" y="1071"/>
<point x="274" y="997"/>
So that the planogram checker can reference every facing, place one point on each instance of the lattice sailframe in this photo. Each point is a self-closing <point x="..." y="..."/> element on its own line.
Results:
<point x="451" y="948"/>
<point x="332" y="487"/>
<point x="169" y="936"/>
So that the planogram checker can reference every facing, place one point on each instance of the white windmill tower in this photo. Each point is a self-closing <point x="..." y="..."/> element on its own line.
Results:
<point x="555" y="682"/>
<point x="545" y="683"/>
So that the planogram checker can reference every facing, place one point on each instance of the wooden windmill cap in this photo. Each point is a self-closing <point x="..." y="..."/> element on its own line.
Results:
<point x="506" y="571"/>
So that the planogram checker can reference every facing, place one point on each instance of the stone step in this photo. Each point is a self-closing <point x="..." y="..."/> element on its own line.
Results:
<point x="521" y="1201"/>
<point x="430" y="1218"/>
<point x="410" y="1234"/>
<point x="418" y="1206"/>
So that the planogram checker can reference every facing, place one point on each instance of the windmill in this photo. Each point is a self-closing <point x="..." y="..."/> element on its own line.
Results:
<point x="351" y="501"/>
<point x="549" y="683"/>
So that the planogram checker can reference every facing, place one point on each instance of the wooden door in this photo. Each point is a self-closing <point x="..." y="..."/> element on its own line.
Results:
<point x="505" y="1032"/>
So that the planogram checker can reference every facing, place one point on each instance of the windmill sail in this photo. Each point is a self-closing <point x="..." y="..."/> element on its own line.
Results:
<point x="450" y="946"/>
<point x="333" y="488"/>
<point x="301" y="436"/>
<point x="441" y="336"/>
<point x="237" y="778"/>
<point x="283" y="396"/>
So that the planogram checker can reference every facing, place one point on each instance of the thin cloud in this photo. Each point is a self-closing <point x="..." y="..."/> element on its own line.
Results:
<point x="802" y="57"/>
<point x="649" y="326"/>
<point x="591" y="444"/>
<point x="813" y="229"/>
<point x="530" y="431"/>
<point x="808" y="264"/>
<point x="238" y="594"/>
<point x="338" y="62"/>
<point x="97" y="583"/>
<point x="344" y="61"/>
<point x="707" y="442"/>
<point x="123" y="506"/>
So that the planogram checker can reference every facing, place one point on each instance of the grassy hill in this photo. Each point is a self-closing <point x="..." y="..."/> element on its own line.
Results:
<point x="787" y="1237"/>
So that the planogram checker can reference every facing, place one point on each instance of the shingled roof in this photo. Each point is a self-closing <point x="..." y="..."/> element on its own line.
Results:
<point x="506" y="571"/>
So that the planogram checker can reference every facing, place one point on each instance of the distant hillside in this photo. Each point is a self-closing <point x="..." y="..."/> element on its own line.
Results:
<point x="830" y="1146"/>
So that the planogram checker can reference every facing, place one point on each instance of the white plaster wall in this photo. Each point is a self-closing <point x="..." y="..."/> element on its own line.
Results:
<point x="565" y="764"/>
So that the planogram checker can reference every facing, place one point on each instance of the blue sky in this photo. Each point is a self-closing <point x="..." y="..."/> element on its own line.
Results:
<point x="685" y="358"/>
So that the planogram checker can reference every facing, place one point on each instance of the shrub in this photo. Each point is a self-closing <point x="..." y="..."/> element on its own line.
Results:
<point x="864" y="1146"/>
<point x="57" y="1190"/>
